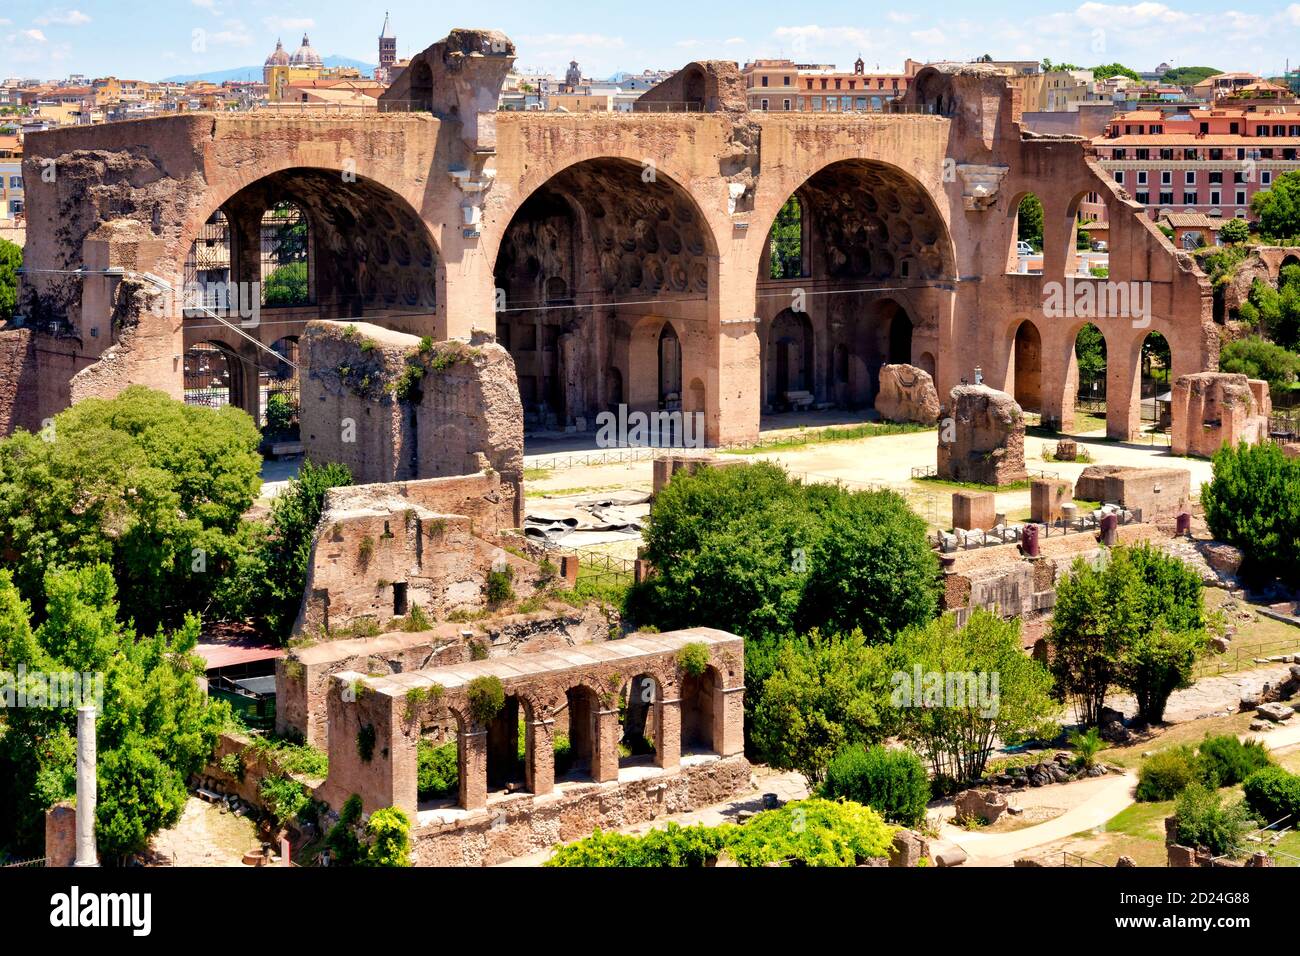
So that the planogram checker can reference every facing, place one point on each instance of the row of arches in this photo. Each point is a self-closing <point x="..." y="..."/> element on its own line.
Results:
<point x="218" y="374"/>
<point x="586" y="734"/>
<point x="1033" y="234"/>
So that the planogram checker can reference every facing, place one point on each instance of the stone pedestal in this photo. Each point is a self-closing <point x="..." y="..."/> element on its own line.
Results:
<point x="973" y="510"/>
<point x="1046" y="496"/>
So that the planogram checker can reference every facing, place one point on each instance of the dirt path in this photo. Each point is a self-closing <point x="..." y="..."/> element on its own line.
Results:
<point x="206" y="837"/>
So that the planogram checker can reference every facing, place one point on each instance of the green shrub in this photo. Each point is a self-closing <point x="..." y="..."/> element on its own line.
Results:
<point x="341" y="841"/>
<point x="810" y="832"/>
<point x="437" y="772"/>
<point x="1253" y="503"/>
<point x="366" y="742"/>
<point x="390" y="842"/>
<point x="1087" y="745"/>
<point x="284" y="798"/>
<point x="1205" y="822"/>
<point x="486" y="698"/>
<point x="892" y="782"/>
<point x="1228" y="761"/>
<point x="1166" y="773"/>
<point x="1274" y="795"/>
<point x="1234" y="230"/>
<point x="693" y="658"/>
<point x="279" y="415"/>
<point x="500" y="586"/>
<point x="1256" y="357"/>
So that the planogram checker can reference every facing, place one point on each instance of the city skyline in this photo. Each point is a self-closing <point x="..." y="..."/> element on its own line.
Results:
<point x="202" y="36"/>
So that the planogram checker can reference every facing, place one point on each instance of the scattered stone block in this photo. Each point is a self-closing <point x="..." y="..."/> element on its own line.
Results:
<point x="988" y="438"/>
<point x="1047" y="497"/>
<point x="984" y="805"/>
<point x="1275" y="711"/>
<point x="973" y="510"/>
<point x="908" y="848"/>
<point x="1066" y="450"/>
<point x="907" y="394"/>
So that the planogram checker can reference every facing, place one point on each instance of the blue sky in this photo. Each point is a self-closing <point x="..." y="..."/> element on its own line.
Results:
<point x="149" y="39"/>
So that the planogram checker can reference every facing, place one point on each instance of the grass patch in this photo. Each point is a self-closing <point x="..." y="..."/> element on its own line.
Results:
<point x="1145" y="820"/>
<point x="936" y="481"/>
<point x="562" y="492"/>
<point x="1189" y="733"/>
<point x="832" y="434"/>
<point x="537" y="474"/>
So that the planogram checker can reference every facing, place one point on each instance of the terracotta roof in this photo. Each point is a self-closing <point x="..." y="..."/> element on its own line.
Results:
<point x="1190" y="139"/>
<point x="1190" y="220"/>
<point x="224" y="655"/>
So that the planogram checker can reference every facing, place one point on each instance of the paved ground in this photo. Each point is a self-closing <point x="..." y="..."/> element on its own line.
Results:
<point x="205" y="837"/>
<point x="1209" y="696"/>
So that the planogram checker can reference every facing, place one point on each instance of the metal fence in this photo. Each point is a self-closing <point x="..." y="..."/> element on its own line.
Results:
<point x="1073" y="859"/>
<point x="1241" y="657"/>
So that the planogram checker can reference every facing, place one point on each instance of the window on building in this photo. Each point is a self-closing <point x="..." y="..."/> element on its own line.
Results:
<point x="1144" y="154"/>
<point x="786" y="107"/>
<point x="1189" y="154"/>
<point x="785" y="81"/>
<point x="1216" y="177"/>
<point x="1205" y="127"/>
<point x="1241" y="197"/>
<point x="1239" y="176"/>
<point x="817" y="104"/>
<point x="1189" y="178"/>
<point x="1166" y="177"/>
<point x="763" y="82"/>
<point x="1215" y="197"/>
<point x="1144" y="197"/>
<point x="1166" y="154"/>
<point x="1142" y="177"/>
<point x="1166" y="198"/>
<point x="1216" y="153"/>
<point x="1119" y="154"/>
<point x="763" y="104"/>
<point x="1266" y="178"/>
<point x="1234" y="128"/>
<point x="1189" y="199"/>
<point x="1119" y="176"/>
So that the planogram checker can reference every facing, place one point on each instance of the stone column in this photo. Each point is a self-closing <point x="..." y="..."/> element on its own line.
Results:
<point x="668" y="743"/>
<point x="87" y="787"/>
<point x="539" y="761"/>
<point x="1123" y="379"/>
<point x="604" y="749"/>
<point x="472" y="753"/>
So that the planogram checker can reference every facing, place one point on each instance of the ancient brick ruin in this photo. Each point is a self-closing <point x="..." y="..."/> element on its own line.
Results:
<point x="620" y="259"/>
<point x="986" y="441"/>
<point x="1212" y="409"/>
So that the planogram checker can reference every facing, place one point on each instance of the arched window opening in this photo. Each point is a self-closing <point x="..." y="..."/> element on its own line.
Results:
<point x="786" y="242"/>
<point x="286" y="256"/>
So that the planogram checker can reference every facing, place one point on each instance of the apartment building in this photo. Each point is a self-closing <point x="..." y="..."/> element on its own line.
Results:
<point x="1211" y="160"/>
<point x="786" y="86"/>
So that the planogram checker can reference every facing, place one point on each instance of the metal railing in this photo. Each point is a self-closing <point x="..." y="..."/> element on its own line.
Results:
<point x="1243" y="657"/>
<point x="1073" y="859"/>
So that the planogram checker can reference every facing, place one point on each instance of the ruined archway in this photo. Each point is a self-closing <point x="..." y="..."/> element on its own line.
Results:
<point x="1088" y="358"/>
<point x="603" y="255"/>
<point x="1027" y="367"/>
<point x="862" y="254"/>
<point x="212" y="378"/>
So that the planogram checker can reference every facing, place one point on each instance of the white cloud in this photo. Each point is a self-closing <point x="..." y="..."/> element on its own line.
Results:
<point x="73" y="18"/>
<point x="36" y="36"/>
<point x="687" y="44"/>
<point x="209" y="5"/>
<point x="1139" y="14"/>
<point x="288" y="24"/>
<point x="233" y="34"/>
<point x="733" y="41"/>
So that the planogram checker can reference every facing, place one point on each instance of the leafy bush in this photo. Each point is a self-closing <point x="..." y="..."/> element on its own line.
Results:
<point x="280" y="415"/>
<point x="1253" y="503"/>
<point x="812" y="832"/>
<point x="1234" y="230"/>
<point x="1087" y="745"/>
<point x="1228" y="761"/>
<point x="11" y="260"/>
<point x="809" y="833"/>
<point x="821" y="695"/>
<point x="342" y="842"/>
<point x="693" y="658"/>
<point x="437" y="771"/>
<point x="500" y="587"/>
<point x="1256" y="357"/>
<point x="1167" y="773"/>
<point x="486" y="698"/>
<point x="892" y="782"/>
<point x="1278" y="208"/>
<point x="283" y="797"/>
<point x="390" y="842"/>
<point x="1204" y="821"/>
<point x="366" y="742"/>
<point x="1274" y="795"/>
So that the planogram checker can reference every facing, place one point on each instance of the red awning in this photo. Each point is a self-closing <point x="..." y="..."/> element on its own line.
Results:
<point x="226" y="655"/>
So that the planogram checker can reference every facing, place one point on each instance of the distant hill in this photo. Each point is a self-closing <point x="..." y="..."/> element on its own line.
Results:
<point x="255" y="72"/>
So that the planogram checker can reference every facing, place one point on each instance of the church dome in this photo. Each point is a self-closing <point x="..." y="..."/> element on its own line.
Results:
<point x="279" y="57"/>
<point x="305" y="55"/>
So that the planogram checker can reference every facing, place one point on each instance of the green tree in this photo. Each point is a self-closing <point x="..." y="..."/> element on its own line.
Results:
<point x="1234" y="230"/>
<point x="958" y="690"/>
<point x="872" y="568"/>
<point x="1278" y="208"/>
<point x="1029" y="222"/>
<point x="824" y="694"/>
<point x="1204" y="821"/>
<point x="1256" y="357"/>
<point x="1090" y="351"/>
<point x="275" y="580"/>
<point x="1107" y="70"/>
<point x="156" y="727"/>
<point x="11" y="260"/>
<point x="286" y="285"/>
<point x="151" y="486"/>
<point x="1137" y="622"/>
<point x="1188" y="75"/>
<point x="1275" y="312"/>
<point x="786" y="242"/>
<point x="1253" y="503"/>
<point x="892" y="782"/>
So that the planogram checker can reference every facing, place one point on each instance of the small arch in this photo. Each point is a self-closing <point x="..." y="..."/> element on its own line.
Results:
<point x="278" y="391"/>
<point x="670" y="369"/>
<point x="900" y="339"/>
<point x="786" y="242"/>
<point x="1155" y="369"/>
<point x="211" y="376"/>
<point x="1025" y="255"/>
<point x="926" y="363"/>
<point x="1027" y="367"/>
<point x="640" y="719"/>
<point x="1088" y="359"/>
<point x="702" y="710"/>
<point x="506" y="745"/>
<point x="581" y="713"/>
